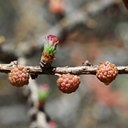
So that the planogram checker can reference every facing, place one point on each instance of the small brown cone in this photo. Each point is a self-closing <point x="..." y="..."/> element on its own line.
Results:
<point x="68" y="83"/>
<point x="19" y="76"/>
<point x="106" y="72"/>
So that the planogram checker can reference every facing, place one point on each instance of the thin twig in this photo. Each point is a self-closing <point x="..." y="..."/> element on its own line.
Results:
<point x="78" y="70"/>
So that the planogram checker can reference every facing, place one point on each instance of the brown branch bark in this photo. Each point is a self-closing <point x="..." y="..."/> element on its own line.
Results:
<point x="78" y="70"/>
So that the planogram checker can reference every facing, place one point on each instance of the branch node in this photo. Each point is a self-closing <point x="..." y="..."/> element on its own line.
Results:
<point x="86" y="63"/>
<point x="13" y="63"/>
<point x="33" y="75"/>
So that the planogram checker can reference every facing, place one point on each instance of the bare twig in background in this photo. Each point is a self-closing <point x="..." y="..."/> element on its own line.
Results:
<point x="37" y="117"/>
<point x="82" y="15"/>
<point x="71" y="19"/>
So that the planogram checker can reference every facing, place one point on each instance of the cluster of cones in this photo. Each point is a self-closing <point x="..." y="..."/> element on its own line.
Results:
<point x="67" y="83"/>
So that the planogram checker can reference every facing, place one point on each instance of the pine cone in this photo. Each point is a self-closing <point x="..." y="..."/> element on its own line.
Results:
<point x="19" y="76"/>
<point x="107" y="72"/>
<point x="68" y="83"/>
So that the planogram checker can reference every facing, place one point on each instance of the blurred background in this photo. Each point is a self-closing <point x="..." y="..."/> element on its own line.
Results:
<point x="93" y="30"/>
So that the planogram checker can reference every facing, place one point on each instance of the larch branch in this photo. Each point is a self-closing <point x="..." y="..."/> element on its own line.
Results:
<point x="78" y="70"/>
